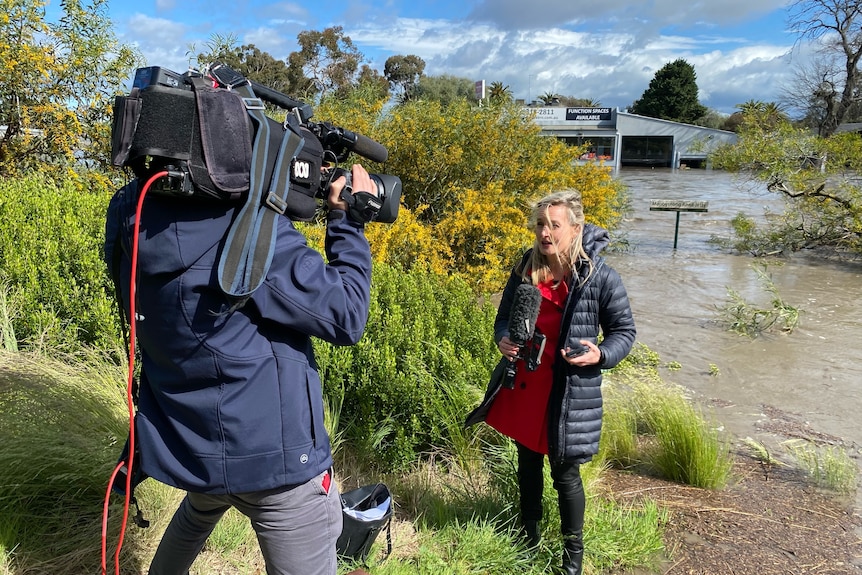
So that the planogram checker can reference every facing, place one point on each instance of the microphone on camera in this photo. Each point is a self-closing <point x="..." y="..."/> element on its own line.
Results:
<point x="524" y="313"/>
<point x="364" y="146"/>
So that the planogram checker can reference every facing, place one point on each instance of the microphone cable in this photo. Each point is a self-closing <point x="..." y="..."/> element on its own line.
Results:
<point x="129" y="396"/>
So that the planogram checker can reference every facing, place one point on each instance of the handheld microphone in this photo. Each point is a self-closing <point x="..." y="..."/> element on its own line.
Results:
<point x="524" y="313"/>
<point x="522" y="330"/>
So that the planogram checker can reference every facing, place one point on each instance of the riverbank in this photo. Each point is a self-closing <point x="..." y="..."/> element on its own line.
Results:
<point x="769" y="520"/>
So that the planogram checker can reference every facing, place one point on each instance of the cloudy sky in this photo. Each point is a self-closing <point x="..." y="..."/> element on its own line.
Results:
<point x="607" y="50"/>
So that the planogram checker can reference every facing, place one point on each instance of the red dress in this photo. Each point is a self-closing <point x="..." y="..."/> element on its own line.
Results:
<point x="522" y="413"/>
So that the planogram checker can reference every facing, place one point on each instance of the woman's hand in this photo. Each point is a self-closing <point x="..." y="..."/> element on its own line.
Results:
<point x="508" y="348"/>
<point x="591" y="357"/>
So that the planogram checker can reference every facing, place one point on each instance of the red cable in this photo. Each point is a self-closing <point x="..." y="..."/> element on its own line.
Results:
<point x="105" y="516"/>
<point x="129" y="383"/>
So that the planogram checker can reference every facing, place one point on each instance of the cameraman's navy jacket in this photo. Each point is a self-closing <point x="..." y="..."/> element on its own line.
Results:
<point x="231" y="401"/>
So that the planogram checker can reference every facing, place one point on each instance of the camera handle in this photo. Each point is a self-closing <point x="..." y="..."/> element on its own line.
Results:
<point x="535" y="348"/>
<point x="362" y="207"/>
<point x="231" y="79"/>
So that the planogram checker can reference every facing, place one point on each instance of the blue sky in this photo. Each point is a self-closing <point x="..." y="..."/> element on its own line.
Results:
<point x="607" y="50"/>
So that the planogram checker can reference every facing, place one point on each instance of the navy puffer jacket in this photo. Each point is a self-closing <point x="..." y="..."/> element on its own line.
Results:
<point x="601" y="305"/>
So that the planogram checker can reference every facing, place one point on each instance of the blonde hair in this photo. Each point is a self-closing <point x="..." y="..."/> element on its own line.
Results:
<point x="539" y="268"/>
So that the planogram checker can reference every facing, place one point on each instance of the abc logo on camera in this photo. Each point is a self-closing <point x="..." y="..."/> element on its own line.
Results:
<point x="300" y="172"/>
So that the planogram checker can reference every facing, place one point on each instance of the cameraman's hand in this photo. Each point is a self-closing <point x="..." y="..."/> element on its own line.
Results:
<point x="361" y="183"/>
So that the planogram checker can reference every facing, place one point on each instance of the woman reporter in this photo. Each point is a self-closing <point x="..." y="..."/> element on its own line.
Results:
<point x="556" y="410"/>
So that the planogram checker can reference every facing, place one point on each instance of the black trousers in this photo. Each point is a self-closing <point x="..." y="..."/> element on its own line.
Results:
<point x="570" y="493"/>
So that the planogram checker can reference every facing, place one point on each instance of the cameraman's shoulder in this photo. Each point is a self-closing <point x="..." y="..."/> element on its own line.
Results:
<point x="123" y="197"/>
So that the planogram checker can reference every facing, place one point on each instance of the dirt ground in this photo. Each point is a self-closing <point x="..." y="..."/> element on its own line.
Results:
<point x="770" y="519"/>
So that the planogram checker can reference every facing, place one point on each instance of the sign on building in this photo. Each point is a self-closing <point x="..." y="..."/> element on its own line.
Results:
<point x="588" y="114"/>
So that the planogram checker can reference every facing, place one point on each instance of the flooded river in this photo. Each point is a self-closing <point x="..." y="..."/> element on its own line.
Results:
<point x="807" y="381"/>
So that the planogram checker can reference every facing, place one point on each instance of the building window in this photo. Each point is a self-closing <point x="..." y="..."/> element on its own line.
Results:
<point x="647" y="151"/>
<point x="597" y="147"/>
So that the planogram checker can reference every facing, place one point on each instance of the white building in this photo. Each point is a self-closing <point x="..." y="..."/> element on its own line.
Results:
<point x="623" y="139"/>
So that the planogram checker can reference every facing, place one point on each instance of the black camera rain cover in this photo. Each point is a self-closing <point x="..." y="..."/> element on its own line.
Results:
<point x="225" y="141"/>
<point x="305" y="178"/>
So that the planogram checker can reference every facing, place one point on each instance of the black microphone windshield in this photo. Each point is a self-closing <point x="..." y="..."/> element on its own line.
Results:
<point x="524" y="313"/>
<point x="368" y="148"/>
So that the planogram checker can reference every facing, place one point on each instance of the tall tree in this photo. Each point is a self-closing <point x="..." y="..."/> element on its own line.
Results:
<point x="373" y="80"/>
<point x="403" y="74"/>
<point x="499" y="93"/>
<point x="549" y="98"/>
<point x="325" y="62"/>
<point x="249" y="61"/>
<point x="58" y="84"/>
<point x="444" y="89"/>
<point x="671" y="95"/>
<point x="835" y="25"/>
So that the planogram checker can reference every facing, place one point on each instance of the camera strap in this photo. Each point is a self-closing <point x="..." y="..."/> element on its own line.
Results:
<point x="250" y="241"/>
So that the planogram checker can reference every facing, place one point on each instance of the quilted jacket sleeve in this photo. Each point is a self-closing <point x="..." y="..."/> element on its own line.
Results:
<point x="615" y="318"/>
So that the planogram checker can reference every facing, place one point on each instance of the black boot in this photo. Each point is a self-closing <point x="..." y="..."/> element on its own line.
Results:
<point x="531" y="533"/>
<point x="567" y="481"/>
<point x="573" y="559"/>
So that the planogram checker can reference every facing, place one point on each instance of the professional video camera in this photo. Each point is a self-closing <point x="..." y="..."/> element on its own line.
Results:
<point x="208" y="131"/>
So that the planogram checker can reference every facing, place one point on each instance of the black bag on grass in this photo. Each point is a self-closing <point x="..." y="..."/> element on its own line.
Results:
<point x="366" y="511"/>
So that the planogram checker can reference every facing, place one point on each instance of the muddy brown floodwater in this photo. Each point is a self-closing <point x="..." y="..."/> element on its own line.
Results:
<point x="803" y="384"/>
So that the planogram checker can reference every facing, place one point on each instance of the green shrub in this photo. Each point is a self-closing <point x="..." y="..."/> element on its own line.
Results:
<point x="423" y="363"/>
<point x="51" y="241"/>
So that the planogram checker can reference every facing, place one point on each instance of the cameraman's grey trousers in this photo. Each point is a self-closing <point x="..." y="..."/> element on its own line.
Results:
<point x="296" y="527"/>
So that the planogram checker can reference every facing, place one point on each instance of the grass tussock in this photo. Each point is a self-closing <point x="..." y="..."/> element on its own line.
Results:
<point x="653" y="427"/>
<point x="62" y="433"/>
<point x="828" y="466"/>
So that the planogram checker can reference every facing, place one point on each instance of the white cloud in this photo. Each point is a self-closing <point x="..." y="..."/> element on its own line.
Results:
<point x="607" y="51"/>
<point x="277" y="41"/>
<point x="614" y="67"/>
<point x="163" y="42"/>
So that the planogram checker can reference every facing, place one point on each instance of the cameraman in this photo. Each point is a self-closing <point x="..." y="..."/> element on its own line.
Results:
<point x="231" y="405"/>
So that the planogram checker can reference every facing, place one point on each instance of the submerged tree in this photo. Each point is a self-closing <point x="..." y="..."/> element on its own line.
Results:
<point x="818" y="178"/>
